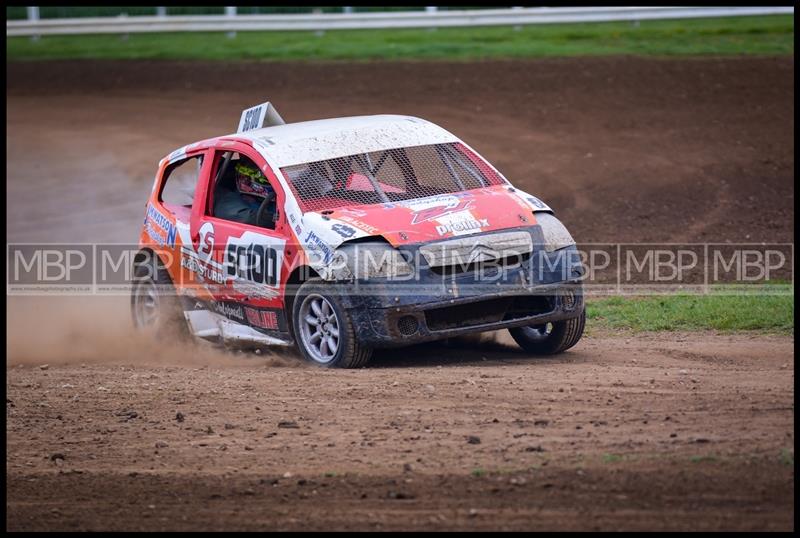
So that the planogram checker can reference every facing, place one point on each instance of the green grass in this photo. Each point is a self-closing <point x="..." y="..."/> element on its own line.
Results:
<point x="725" y="36"/>
<point x="720" y="310"/>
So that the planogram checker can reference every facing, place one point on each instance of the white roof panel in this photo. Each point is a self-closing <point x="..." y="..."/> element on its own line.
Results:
<point x="309" y="141"/>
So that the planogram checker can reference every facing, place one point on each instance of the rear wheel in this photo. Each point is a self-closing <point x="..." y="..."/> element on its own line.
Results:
<point x="155" y="308"/>
<point x="550" y="338"/>
<point x="324" y="331"/>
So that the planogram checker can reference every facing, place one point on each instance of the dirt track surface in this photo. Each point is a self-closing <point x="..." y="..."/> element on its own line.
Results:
<point x="652" y="432"/>
<point x="624" y="149"/>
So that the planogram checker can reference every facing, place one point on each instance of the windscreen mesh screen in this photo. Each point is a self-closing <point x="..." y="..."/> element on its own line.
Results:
<point x="388" y="176"/>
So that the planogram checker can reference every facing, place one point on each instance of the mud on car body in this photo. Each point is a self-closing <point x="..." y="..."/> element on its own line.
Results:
<point x="374" y="231"/>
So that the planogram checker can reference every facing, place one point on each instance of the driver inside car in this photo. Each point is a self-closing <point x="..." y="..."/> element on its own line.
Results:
<point x="242" y="202"/>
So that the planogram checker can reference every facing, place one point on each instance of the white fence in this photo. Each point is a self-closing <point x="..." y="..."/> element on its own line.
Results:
<point x="430" y="18"/>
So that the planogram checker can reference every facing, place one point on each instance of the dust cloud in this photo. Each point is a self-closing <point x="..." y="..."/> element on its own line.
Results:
<point x="99" y="330"/>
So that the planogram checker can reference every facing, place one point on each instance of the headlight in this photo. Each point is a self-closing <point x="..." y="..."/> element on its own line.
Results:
<point x="371" y="260"/>
<point x="556" y="235"/>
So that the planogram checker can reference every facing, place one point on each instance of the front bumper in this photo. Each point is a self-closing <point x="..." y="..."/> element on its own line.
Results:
<point x="545" y="288"/>
<point x="386" y="326"/>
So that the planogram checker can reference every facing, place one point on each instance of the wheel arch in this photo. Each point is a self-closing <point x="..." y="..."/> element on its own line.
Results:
<point x="144" y="256"/>
<point x="296" y="278"/>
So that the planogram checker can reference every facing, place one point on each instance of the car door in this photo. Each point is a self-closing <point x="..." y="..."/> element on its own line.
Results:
<point x="245" y="264"/>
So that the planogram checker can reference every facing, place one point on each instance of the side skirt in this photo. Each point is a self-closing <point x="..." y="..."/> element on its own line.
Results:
<point x="215" y="327"/>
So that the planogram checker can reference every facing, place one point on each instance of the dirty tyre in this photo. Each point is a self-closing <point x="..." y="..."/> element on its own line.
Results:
<point x="324" y="331"/>
<point x="550" y="338"/>
<point x="155" y="308"/>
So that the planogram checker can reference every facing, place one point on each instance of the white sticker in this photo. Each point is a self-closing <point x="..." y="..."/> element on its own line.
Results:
<point x="256" y="117"/>
<point x="254" y="260"/>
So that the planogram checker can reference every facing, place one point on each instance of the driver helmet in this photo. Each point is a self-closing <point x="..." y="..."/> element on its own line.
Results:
<point x="250" y="181"/>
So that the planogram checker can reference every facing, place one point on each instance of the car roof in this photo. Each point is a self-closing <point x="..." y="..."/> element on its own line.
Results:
<point x="316" y="140"/>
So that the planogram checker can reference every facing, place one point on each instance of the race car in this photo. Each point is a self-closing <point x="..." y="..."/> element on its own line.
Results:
<point x="347" y="235"/>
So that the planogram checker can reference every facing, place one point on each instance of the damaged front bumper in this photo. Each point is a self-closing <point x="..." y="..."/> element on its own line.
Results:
<point x="432" y="306"/>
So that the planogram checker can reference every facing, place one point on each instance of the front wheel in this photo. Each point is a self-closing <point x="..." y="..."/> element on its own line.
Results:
<point x="324" y="331"/>
<point x="550" y="338"/>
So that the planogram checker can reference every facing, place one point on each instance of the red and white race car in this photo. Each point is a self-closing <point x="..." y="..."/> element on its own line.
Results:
<point x="345" y="235"/>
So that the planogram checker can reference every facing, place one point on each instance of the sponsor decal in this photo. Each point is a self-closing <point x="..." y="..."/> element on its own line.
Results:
<point x="439" y="199"/>
<point x="251" y="263"/>
<point x="206" y="245"/>
<point x="462" y="226"/>
<point x="316" y="244"/>
<point x="440" y="210"/>
<point x="352" y="212"/>
<point x="230" y="310"/>
<point x="343" y="230"/>
<point x="528" y="201"/>
<point x="204" y="272"/>
<point x="265" y="319"/>
<point x="298" y="230"/>
<point x="361" y="225"/>
<point x="154" y="221"/>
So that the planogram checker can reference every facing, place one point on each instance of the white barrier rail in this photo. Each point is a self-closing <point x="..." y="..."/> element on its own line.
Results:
<point x="351" y="21"/>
